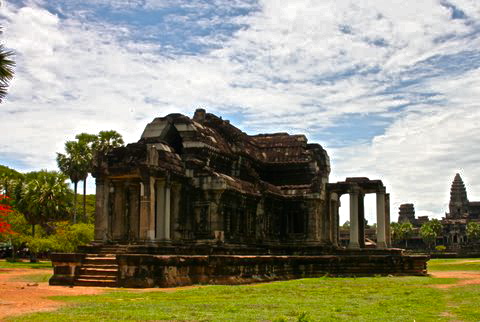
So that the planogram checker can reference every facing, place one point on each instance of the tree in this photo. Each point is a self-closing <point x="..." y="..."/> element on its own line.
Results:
<point x="401" y="231"/>
<point x="5" y="210"/>
<point x="9" y="178"/>
<point x="107" y="141"/>
<point x="473" y="231"/>
<point x="44" y="198"/>
<point x="430" y="231"/>
<point x="6" y="70"/>
<point x="92" y="144"/>
<point x="86" y="142"/>
<point x="74" y="164"/>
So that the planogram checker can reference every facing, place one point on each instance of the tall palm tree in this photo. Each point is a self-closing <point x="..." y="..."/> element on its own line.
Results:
<point x="107" y="141"/>
<point x="73" y="164"/>
<point x="86" y="141"/>
<point x="93" y="144"/>
<point x="44" y="197"/>
<point x="6" y="70"/>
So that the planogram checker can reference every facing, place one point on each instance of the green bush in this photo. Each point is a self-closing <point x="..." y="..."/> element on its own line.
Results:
<point x="68" y="237"/>
<point x="440" y="248"/>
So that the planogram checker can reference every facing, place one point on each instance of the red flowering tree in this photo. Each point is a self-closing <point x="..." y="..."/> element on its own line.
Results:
<point x="5" y="210"/>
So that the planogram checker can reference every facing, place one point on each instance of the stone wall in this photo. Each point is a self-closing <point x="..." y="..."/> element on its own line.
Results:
<point x="137" y="270"/>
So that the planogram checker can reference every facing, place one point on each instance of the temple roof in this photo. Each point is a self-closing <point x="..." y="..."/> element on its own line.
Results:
<point x="208" y="146"/>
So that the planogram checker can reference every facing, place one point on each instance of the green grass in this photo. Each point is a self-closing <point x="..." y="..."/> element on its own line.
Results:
<point x="317" y="299"/>
<point x="26" y="264"/>
<point x="459" y="264"/>
<point x="34" y="278"/>
<point x="325" y="299"/>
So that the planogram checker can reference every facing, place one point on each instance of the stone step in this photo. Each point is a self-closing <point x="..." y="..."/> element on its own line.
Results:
<point x="100" y="258"/>
<point x="97" y="278"/>
<point x="95" y="271"/>
<point x="101" y="255"/>
<point x="91" y="282"/>
<point x="100" y="266"/>
<point x="94" y="262"/>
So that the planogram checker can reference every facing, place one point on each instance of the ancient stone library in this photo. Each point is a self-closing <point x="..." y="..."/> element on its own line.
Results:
<point x="196" y="200"/>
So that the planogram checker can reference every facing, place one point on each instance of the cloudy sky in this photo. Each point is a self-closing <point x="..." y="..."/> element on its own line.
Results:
<point x="390" y="88"/>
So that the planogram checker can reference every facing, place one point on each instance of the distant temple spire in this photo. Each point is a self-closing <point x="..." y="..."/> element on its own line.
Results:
<point x="458" y="205"/>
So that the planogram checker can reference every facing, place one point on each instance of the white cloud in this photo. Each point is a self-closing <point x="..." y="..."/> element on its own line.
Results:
<point x="299" y="66"/>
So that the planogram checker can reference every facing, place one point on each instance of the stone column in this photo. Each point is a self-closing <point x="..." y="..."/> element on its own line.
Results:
<point x="216" y="217"/>
<point x="388" y="238"/>
<point x="381" y="236"/>
<point x="160" y="204"/>
<point x="166" y="216"/>
<point x="101" y="209"/>
<point x="353" y="244"/>
<point x="361" y="219"/>
<point x="147" y="209"/>
<point x="334" y="218"/>
<point x="175" y="213"/>
<point x="118" y="217"/>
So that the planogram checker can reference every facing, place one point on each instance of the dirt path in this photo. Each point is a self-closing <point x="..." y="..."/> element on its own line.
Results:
<point x="25" y="297"/>
<point x="464" y="278"/>
<point x="18" y="298"/>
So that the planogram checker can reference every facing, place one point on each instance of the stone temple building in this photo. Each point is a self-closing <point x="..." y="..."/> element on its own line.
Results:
<point x="196" y="200"/>
<point x="461" y="211"/>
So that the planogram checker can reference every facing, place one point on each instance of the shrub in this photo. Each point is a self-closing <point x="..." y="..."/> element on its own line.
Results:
<point x="440" y="248"/>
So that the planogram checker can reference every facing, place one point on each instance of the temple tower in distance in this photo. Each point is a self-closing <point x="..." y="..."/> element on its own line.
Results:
<point x="459" y="205"/>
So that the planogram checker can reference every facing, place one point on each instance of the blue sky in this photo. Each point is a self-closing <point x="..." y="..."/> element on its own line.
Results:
<point x="390" y="88"/>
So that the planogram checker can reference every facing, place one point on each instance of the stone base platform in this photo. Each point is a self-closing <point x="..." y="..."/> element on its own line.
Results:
<point x="154" y="270"/>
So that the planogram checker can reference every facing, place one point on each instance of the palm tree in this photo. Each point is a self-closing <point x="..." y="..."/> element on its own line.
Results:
<point x="93" y="144"/>
<point x="44" y="197"/>
<point x="107" y="141"/>
<point x="86" y="141"/>
<point x="73" y="164"/>
<point x="6" y="70"/>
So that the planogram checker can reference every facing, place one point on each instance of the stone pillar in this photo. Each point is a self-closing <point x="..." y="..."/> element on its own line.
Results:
<point x="361" y="219"/>
<point x="381" y="220"/>
<point x="166" y="216"/>
<point x="388" y="238"/>
<point x="101" y="209"/>
<point x="147" y="209"/>
<point x="160" y="204"/>
<point x="151" y="213"/>
<point x="118" y="216"/>
<point x="175" y="213"/>
<point x="333" y="210"/>
<point x="354" y="244"/>
<point x="216" y="217"/>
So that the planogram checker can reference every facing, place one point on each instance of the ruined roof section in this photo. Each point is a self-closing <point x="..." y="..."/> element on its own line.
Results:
<point x="210" y="131"/>
<point x="208" y="146"/>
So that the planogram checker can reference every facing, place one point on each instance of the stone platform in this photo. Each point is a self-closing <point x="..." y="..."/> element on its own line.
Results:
<point x="118" y="267"/>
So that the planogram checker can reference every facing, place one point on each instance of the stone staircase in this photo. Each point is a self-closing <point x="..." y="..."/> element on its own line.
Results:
<point x="100" y="269"/>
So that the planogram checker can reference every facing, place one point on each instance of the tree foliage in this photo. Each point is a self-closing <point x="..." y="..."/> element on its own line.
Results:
<point x="401" y="231"/>
<point x="473" y="231"/>
<point x="430" y="231"/>
<point x="5" y="210"/>
<point x="6" y="70"/>
<point x="77" y="162"/>
<point x="45" y="198"/>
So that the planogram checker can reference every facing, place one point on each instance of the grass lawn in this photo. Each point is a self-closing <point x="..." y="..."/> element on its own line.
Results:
<point x="318" y="299"/>
<point x="33" y="278"/>
<point x="25" y="264"/>
<point x="457" y="264"/>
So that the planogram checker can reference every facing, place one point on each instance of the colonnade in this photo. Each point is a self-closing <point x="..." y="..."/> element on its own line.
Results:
<point x="157" y="201"/>
<point x="357" y="217"/>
